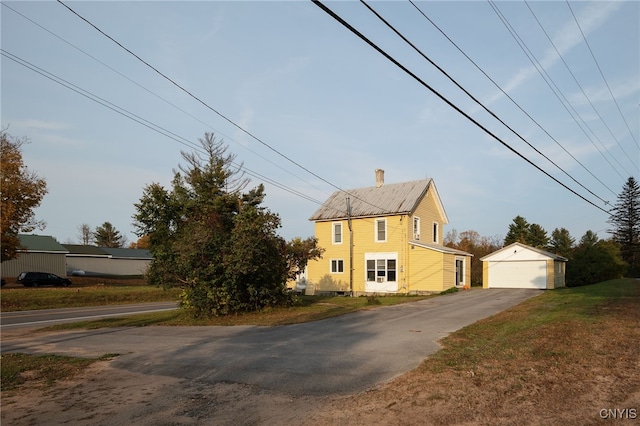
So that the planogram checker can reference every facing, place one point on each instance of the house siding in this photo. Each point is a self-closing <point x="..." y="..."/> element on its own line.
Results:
<point x="364" y="242"/>
<point x="428" y="213"/>
<point x="427" y="270"/>
<point x="419" y="269"/>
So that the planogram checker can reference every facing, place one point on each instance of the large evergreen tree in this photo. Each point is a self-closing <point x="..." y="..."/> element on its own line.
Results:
<point x="537" y="236"/>
<point x="561" y="242"/>
<point x="213" y="238"/>
<point x="625" y="221"/>
<point x="518" y="231"/>
<point x="108" y="236"/>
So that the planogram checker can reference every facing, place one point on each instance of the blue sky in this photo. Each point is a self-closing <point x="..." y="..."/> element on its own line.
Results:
<point x="292" y="76"/>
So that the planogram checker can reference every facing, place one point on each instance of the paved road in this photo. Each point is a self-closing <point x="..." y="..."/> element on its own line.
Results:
<point x="46" y="317"/>
<point x="342" y="355"/>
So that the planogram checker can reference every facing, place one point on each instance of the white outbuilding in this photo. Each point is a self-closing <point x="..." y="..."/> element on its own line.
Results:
<point x="521" y="266"/>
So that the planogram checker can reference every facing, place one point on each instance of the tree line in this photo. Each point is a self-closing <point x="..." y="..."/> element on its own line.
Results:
<point x="213" y="237"/>
<point x="591" y="259"/>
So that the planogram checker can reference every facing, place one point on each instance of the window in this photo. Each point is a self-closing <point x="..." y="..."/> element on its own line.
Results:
<point x="337" y="233"/>
<point x="337" y="266"/>
<point x="459" y="272"/>
<point x="381" y="270"/>
<point x="381" y="230"/>
<point x="416" y="228"/>
<point x="435" y="232"/>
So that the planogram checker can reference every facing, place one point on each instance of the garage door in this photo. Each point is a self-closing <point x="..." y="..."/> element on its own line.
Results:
<point x="531" y="274"/>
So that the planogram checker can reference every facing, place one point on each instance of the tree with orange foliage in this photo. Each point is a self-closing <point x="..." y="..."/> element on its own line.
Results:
<point x="21" y="191"/>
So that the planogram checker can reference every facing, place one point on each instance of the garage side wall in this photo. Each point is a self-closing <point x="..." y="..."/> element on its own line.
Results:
<point x="485" y="274"/>
<point x="35" y="262"/>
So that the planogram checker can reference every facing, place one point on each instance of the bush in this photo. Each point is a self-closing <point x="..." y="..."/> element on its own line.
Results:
<point x="595" y="263"/>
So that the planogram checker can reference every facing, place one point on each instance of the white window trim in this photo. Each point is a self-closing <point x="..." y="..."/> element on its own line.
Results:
<point x="435" y="228"/>
<point x="333" y="233"/>
<point x="331" y="266"/>
<point x="385" y="257"/>
<point x="375" y="231"/>
<point x="416" y="233"/>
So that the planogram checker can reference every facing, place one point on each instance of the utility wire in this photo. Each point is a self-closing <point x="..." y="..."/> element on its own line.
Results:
<point x="509" y="97"/>
<point x="602" y="75"/>
<point x="578" y="83"/>
<point x="150" y="125"/>
<point x="198" y="99"/>
<point x="444" y="99"/>
<point x="211" y="108"/>
<point x="421" y="53"/>
<point x="158" y="96"/>
<point x="545" y="76"/>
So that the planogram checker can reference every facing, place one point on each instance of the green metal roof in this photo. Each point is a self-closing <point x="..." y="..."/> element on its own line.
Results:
<point x="80" y="249"/>
<point x="40" y="243"/>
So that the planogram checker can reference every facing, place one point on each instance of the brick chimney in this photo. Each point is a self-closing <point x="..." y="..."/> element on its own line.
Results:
<point x="379" y="178"/>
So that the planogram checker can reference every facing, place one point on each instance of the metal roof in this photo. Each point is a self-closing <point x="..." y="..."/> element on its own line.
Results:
<point x="438" y="247"/>
<point x="80" y="249"/>
<point x="389" y="199"/>
<point x="525" y="246"/>
<point x="40" y="243"/>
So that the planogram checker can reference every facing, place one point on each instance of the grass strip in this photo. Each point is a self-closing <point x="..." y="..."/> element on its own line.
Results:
<point x="19" y="369"/>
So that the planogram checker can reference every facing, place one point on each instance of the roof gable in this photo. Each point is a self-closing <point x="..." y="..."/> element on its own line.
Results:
<point x="389" y="199"/>
<point x="520" y="251"/>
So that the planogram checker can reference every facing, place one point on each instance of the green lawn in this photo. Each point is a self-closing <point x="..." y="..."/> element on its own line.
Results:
<point x="22" y="299"/>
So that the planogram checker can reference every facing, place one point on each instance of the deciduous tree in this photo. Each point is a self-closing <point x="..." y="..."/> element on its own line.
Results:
<point x="21" y="191"/>
<point x="593" y="263"/>
<point x="85" y="234"/>
<point x="479" y="246"/>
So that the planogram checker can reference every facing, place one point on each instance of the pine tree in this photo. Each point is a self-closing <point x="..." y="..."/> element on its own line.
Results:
<point x="108" y="236"/>
<point x="625" y="219"/>
<point x="518" y="231"/>
<point x="561" y="242"/>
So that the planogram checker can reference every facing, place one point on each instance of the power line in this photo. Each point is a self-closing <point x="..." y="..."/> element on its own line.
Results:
<point x="545" y="76"/>
<point x="578" y="83"/>
<point x="602" y="75"/>
<point x="509" y="96"/>
<point x="156" y="95"/>
<point x="475" y="99"/>
<point x="136" y="118"/>
<point x="208" y="106"/>
<point x="447" y="101"/>
<point x="198" y="99"/>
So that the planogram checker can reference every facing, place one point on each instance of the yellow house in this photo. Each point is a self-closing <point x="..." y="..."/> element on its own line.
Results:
<point x="385" y="239"/>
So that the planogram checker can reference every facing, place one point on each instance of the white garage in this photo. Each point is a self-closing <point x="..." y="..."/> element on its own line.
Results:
<point x="522" y="266"/>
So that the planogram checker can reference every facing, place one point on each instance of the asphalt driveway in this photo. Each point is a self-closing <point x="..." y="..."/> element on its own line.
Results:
<point x="336" y="356"/>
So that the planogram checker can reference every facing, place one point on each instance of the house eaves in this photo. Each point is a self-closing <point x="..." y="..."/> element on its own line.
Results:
<point x="524" y="246"/>
<point x="439" y="248"/>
